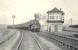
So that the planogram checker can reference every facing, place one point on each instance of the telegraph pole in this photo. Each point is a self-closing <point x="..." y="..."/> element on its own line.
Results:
<point x="71" y="21"/>
<point x="13" y="17"/>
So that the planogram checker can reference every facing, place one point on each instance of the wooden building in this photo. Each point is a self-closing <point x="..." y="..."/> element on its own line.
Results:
<point x="55" y="20"/>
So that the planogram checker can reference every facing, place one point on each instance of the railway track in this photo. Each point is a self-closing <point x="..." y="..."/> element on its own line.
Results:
<point x="32" y="44"/>
<point x="41" y="45"/>
<point x="17" y="44"/>
<point x="64" y="42"/>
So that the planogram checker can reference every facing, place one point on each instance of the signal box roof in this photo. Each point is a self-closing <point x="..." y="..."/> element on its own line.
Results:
<point x="54" y="10"/>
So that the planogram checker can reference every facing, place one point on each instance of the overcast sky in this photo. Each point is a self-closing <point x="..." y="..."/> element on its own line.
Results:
<point x="24" y="9"/>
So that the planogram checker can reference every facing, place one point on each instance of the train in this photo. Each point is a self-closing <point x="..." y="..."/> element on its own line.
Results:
<point x="73" y="26"/>
<point x="72" y="29"/>
<point x="32" y="25"/>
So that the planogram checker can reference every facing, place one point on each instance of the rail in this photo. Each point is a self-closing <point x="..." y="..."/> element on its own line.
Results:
<point x="18" y="43"/>
<point x="69" y="43"/>
<point x="41" y="45"/>
<point x="36" y="44"/>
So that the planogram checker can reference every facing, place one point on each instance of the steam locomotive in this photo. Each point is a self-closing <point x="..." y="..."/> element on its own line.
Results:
<point x="32" y="25"/>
